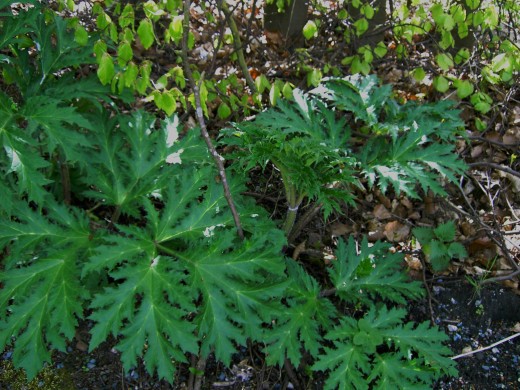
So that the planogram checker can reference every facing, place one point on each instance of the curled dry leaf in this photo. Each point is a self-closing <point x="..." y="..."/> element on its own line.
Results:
<point x="413" y="262"/>
<point x="338" y="229"/>
<point x="467" y="229"/>
<point x="396" y="231"/>
<point x="383" y="199"/>
<point x="381" y="212"/>
<point x="407" y="203"/>
<point x="477" y="151"/>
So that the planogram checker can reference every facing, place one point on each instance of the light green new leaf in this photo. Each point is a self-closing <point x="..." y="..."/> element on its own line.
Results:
<point x="445" y="61"/>
<point x="310" y="30"/>
<point x="146" y="34"/>
<point x="106" y="70"/>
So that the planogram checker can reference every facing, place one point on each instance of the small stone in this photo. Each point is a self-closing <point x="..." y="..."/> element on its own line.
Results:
<point x="437" y="289"/>
<point x="495" y="350"/>
<point x="452" y="328"/>
<point x="467" y="349"/>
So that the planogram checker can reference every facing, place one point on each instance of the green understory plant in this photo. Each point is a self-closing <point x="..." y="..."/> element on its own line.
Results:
<point x="304" y="141"/>
<point x="115" y="217"/>
<point x="409" y="146"/>
<point x="377" y="349"/>
<point x="438" y="245"/>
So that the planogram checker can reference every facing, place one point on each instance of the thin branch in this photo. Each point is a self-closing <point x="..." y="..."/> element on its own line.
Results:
<point x="202" y="122"/>
<point x="65" y="180"/>
<point x="237" y="43"/>
<point x="201" y="366"/>
<point x="495" y="166"/>
<point x="486" y="348"/>
<point x="501" y="277"/>
<point x="495" y="235"/>
<point x="493" y="142"/>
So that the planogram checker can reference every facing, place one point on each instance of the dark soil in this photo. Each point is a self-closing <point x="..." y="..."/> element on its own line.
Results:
<point x="476" y="319"/>
<point x="472" y="318"/>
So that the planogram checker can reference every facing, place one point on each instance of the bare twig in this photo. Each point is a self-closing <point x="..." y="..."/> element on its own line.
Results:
<point x="292" y="375"/>
<point x="237" y="43"/>
<point x="501" y="278"/>
<point x="202" y="123"/>
<point x="493" y="142"/>
<point x="485" y="348"/>
<point x="495" y="235"/>
<point x="428" y="292"/>
<point x="495" y="166"/>
<point x="201" y="365"/>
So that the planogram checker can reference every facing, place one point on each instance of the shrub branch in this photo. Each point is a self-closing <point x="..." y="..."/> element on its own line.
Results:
<point x="202" y="123"/>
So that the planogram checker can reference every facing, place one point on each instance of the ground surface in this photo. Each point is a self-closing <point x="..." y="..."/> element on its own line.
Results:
<point x="473" y="319"/>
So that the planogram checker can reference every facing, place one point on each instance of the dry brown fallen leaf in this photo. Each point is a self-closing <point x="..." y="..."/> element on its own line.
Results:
<point x="396" y="231"/>
<point x="381" y="212"/>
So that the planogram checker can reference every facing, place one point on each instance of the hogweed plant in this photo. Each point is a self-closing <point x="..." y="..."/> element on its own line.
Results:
<point x="115" y="218"/>
<point x="308" y="140"/>
<point x="304" y="141"/>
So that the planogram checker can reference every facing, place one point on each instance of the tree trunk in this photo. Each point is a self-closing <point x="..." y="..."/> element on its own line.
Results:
<point x="289" y="23"/>
<point x="469" y="40"/>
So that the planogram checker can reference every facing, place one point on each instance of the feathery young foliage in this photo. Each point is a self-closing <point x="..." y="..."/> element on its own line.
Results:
<point x="117" y="216"/>
<point x="304" y="140"/>
<point x="408" y="144"/>
<point x="308" y="141"/>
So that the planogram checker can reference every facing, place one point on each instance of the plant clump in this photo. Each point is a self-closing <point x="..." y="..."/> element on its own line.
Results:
<point x="110" y="213"/>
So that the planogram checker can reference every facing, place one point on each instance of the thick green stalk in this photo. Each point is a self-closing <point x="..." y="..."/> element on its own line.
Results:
<point x="293" y="203"/>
